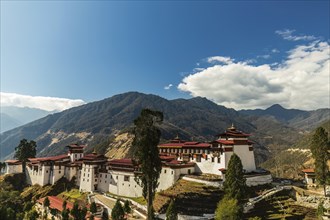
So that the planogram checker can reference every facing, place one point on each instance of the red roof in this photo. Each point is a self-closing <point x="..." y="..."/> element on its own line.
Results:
<point x="166" y="157"/>
<point x="123" y="161"/>
<point x="76" y="146"/>
<point x="54" y="158"/>
<point x="93" y="157"/>
<point x="186" y="145"/>
<point x="311" y="170"/>
<point x="225" y="142"/>
<point x="233" y="133"/>
<point x="56" y="203"/>
<point x="13" y="162"/>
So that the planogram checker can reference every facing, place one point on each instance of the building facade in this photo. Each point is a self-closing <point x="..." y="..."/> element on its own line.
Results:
<point x="213" y="157"/>
<point x="95" y="172"/>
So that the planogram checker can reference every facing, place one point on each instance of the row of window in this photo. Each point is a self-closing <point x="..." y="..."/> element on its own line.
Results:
<point x="179" y="150"/>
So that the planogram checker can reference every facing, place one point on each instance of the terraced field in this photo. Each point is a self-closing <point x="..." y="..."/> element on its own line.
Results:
<point x="281" y="206"/>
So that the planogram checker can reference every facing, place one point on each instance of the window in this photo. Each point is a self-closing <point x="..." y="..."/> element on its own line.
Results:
<point x="126" y="178"/>
<point x="116" y="177"/>
<point x="212" y="159"/>
<point x="84" y="180"/>
<point x="106" y="176"/>
<point x="189" y="171"/>
<point x="198" y="158"/>
<point x="88" y="175"/>
<point x="218" y="159"/>
<point x="100" y="175"/>
<point x="172" y="172"/>
<point x="84" y="174"/>
<point x="46" y="171"/>
<point x="164" y="170"/>
<point x="59" y="171"/>
<point x="95" y="180"/>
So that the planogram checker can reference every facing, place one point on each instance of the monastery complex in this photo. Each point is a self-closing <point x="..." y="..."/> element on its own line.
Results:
<point x="95" y="172"/>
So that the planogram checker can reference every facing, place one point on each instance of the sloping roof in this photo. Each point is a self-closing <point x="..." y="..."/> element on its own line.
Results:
<point x="189" y="144"/>
<point x="13" y="162"/>
<point x="56" y="203"/>
<point x="124" y="161"/>
<point x="310" y="170"/>
<point x="233" y="133"/>
<point x="76" y="146"/>
<point x="54" y="158"/>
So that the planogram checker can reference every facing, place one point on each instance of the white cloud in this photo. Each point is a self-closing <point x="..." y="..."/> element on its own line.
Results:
<point x="265" y="56"/>
<point x="40" y="102"/>
<point x="168" y="86"/>
<point x="220" y="59"/>
<point x="287" y="34"/>
<point x="301" y="81"/>
<point x="275" y="50"/>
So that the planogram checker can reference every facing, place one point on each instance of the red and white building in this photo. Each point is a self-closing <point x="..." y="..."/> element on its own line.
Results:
<point x="96" y="172"/>
<point x="213" y="157"/>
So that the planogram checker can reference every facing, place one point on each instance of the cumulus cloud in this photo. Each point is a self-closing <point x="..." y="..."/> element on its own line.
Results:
<point x="168" y="86"/>
<point x="220" y="59"/>
<point x="301" y="81"/>
<point x="40" y="102"/>
<point x="287" y="34"/>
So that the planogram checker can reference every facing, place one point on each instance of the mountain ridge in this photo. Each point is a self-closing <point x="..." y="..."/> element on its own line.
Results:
<point x="98" y="123"/>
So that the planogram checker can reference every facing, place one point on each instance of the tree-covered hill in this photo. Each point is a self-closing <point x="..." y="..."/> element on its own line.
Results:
<point x="97" y="124"/>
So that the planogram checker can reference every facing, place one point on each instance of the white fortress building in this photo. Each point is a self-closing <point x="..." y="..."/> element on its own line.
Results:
<point x="95" y="172"/>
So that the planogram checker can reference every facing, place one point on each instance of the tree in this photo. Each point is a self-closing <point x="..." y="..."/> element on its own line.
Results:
<point x="2" y="166"/>
<point x="146" y="155"/>
<point x="117" y="212"/>
<point x="31" y="215"/>
<point x="235" y="183"/>
<point x="171" y="212"/>
<point x="24" y="151"/>
<point x="93" y="208"/>
<point x="83" y="213"/>
<point x="65" y="212"/>
<point x="127" y="207"/>
<point x="46" y="204"/>
<point x="320" y="210"/>
<point x="228" y="209"/>
<point x="75" y="211"/>
<point x="319" y="148"/>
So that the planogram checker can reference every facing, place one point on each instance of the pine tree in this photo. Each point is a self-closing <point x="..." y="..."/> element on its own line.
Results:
<point x="75" y="211"/>
<point x="93" y="208"/>
<point x="146" y="155"/>
<point x="117" y="212"/>
<point x="320" y="150"/>
<point x="46" y="204"/>
<point x="235" y="183"/>
<point x="127" y="208"/>
<point x="24" y="151"/>
<point x="171" y="212"/>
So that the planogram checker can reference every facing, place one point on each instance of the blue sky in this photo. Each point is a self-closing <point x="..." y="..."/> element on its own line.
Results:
<point x="86" y="50"/>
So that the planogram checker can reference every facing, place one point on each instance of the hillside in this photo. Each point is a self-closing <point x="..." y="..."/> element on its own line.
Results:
<point x="289" y="163"/>
<point x="299" y="119"/>
<point x="97" y="124"/>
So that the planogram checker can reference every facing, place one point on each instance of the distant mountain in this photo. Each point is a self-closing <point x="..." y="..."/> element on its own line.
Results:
<point x="303" y="120"/>
<point x="97" y="124"/>
<point x="8" y="122"/>
<point x="12" y="117"/>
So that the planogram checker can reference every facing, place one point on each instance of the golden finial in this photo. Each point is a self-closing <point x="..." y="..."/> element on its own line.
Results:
<point x="94" y="151"/>
<point x="232" y="128"/>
